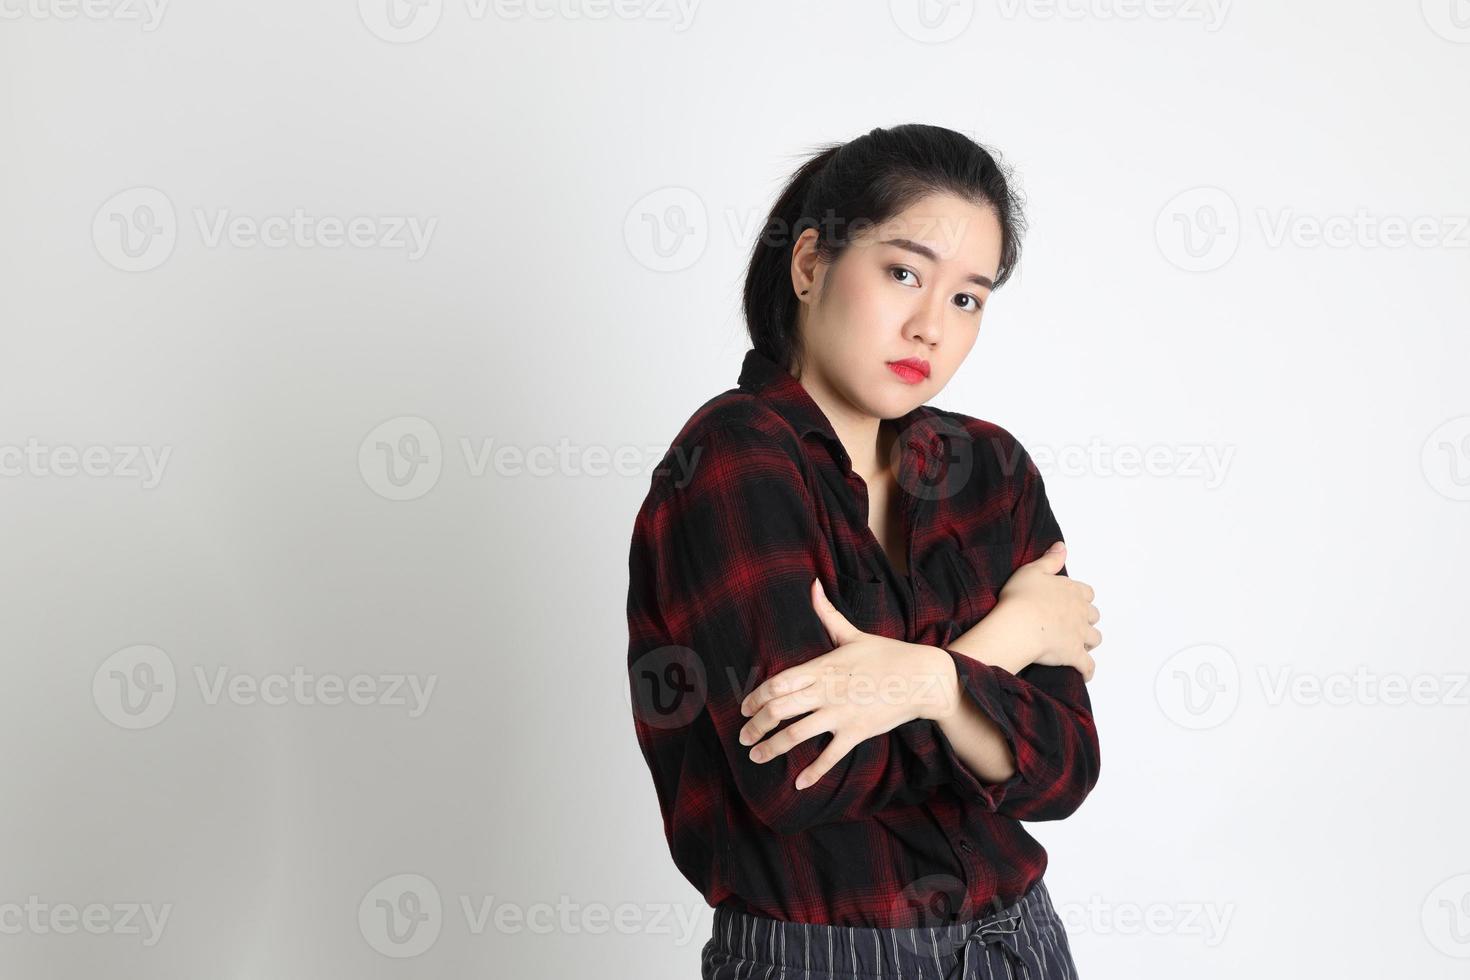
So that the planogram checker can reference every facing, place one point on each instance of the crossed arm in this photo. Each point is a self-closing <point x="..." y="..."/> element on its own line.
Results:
<point x="734" y="552"/>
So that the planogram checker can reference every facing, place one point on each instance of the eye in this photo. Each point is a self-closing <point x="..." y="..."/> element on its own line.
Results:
<point x="978" y="304"/>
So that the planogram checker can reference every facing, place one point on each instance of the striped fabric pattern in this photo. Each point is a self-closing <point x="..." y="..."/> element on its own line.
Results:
<point x="1025" y="941"/>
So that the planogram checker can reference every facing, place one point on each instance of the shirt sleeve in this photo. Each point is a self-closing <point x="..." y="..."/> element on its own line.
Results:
<point x="1044" y="712"/>
<point x="733" y="552"/>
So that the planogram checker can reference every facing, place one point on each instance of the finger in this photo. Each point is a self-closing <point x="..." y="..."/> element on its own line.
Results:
<point x="777" y="710"/>
<point x="1053" y="558"/>
<point x="1088" y="668"/>
<point x="1087" y="592"/>
<point x="1092" y="614"/>
<point x="790" y="736"/>
<point x="788" y="680"/>
<point x="1092" y="638"/>
<point x="830" y="756"/>
<point x="838" y="628"/>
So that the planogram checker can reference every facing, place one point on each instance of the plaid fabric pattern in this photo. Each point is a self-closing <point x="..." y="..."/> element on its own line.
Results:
<point x="754" y="499"/>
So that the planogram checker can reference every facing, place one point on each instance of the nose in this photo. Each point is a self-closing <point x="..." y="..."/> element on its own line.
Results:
<point x="927" y="320"/>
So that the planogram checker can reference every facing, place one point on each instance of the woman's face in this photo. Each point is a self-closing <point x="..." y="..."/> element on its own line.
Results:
<point x="912" y="287"/>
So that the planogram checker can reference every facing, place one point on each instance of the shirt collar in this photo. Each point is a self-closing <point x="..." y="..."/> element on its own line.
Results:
<point x="762" y="376"/>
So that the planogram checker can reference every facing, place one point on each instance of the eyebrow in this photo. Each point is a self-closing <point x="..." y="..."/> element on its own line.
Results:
<point x="929" y="254"/>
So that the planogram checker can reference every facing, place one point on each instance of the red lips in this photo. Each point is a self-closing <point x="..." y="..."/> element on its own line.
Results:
<point x="911" y="366"/>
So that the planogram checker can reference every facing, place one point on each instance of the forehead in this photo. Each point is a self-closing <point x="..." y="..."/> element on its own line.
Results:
<point x="959" y="232"/>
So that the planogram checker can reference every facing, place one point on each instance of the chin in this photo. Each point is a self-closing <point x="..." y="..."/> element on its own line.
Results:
<point x="893" y="408"/>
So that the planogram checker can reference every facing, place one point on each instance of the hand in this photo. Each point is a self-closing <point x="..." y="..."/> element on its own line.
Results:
<point x="867" y="686"/>
<point x="1054" y="611"/>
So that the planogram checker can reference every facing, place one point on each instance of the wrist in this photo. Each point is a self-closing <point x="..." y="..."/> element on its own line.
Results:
<point x="942" y="698"/>
<point x="1002" y="639"/>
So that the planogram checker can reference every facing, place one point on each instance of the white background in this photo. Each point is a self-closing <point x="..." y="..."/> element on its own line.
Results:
<point x="1222" y="260"/>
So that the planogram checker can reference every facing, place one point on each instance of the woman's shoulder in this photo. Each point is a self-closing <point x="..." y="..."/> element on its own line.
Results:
<point x="735" y="422"/>
<point x="735" y="414"/>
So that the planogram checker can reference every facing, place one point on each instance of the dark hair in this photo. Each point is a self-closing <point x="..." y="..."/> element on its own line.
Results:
<point x="864" y="181"/>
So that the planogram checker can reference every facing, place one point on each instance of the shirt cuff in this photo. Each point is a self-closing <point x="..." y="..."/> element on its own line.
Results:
<point x="990" y="688"/>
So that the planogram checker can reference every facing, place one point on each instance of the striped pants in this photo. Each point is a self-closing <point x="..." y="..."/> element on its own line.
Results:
<point x="1024" y="941"/>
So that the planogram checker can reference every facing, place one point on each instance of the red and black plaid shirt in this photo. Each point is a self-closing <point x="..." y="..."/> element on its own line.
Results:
<point x="755" y="498"/>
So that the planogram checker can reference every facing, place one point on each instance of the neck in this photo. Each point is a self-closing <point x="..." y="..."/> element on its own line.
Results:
<point x="866" y="438"/>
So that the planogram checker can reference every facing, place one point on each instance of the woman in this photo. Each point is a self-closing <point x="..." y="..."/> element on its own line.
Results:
<point x="856" y="658"/>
